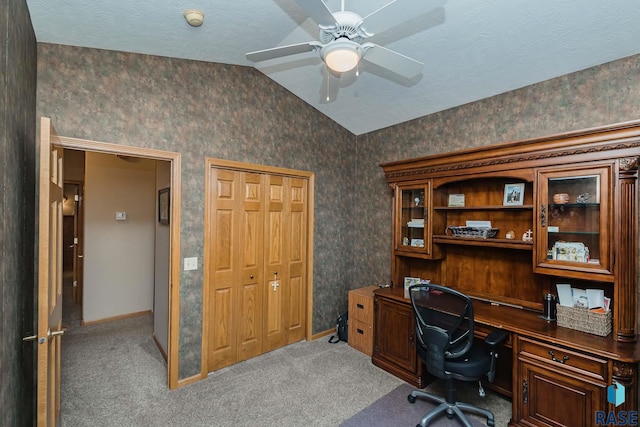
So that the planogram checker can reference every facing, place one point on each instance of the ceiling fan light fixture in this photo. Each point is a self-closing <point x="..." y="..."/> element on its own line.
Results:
<point x="341" y="55"/>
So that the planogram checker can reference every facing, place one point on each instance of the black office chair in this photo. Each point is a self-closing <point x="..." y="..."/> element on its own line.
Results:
<point x="444" y="332"/>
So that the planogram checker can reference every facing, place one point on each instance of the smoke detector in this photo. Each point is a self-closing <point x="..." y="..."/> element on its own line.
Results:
<point x="194" y="17"/>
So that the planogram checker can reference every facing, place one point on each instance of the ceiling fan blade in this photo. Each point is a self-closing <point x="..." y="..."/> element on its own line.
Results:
<point x="395" y="13"/>
<point x="319" y="12"/>
<point x="393" y="61"/>
<point x="278" y="52"/>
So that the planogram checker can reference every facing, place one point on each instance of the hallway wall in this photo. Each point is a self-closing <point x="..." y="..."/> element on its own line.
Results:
<point x="118" y="255"/>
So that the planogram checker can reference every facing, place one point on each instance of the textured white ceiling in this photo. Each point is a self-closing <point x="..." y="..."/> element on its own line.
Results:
<point x="472" y="49"/>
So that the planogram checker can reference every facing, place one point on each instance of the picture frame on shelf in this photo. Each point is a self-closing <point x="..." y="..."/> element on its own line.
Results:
<point x="417" y="243"/>
<point x="408" y="282"/>
<point x="456" y="200"/>
<point x="163" y="206"/>
<point x="513" y="194"/>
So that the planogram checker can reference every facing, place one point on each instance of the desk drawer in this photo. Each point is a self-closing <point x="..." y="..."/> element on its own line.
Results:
<point x="563" y="360"/>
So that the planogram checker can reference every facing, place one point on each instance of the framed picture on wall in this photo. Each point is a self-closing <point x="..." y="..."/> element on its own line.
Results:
<point x="163" y="206"/>
<point x="513" y="194"/>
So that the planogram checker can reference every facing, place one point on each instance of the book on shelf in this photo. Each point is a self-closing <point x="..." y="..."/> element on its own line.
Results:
<point x="416" y="223"/>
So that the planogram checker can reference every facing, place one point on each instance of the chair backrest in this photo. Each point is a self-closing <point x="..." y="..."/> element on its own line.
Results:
<point x="444" y="325"/>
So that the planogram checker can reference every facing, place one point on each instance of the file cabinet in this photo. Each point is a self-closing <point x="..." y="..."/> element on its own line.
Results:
<point x="361" y="319"/>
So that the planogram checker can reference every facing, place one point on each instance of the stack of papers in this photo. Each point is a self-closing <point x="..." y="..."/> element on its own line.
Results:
<point x="479" y="224"/>
<point x="593" y="299"/>
<point x="416" y="223"/>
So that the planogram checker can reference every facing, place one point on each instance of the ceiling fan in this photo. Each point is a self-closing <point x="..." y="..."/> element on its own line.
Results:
<point x="342" y="36"/>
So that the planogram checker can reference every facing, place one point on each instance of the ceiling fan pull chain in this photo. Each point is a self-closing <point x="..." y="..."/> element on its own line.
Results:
<point x="328" y="83"/>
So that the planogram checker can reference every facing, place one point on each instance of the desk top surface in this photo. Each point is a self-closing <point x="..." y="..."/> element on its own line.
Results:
<point x="529" y="323"/>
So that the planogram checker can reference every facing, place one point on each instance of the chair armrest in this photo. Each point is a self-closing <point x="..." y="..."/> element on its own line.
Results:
<point x="496" y="337"/>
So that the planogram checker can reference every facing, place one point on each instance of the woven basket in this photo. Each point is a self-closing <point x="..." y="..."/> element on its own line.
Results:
<point x="481" y="232"/>
<point x="582" y="319"/>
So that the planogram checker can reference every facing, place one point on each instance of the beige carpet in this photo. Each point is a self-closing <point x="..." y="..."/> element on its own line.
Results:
<point x="113" y="375"/>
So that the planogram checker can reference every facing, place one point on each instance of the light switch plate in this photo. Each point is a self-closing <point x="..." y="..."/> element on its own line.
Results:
<point x="191" y="263"/>
<point x="121" y="216"/>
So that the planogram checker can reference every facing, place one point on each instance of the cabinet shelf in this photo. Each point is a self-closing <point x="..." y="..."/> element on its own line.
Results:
<point x="492" y="243"/>
<point x="574" y="205"/>
<point x="483" y="208"/>
<point x="584" y="233"/>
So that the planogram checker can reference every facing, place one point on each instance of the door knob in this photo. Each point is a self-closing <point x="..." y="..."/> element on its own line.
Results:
<point x="33" y="338"/>
<point x="52" y="334"/>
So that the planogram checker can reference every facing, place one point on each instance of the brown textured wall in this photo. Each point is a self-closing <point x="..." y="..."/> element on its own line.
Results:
<point x="201" y="109"/>
<point x="17" y="203"/>
<point x="609" y="93"/>
<point x="231" y="112"/>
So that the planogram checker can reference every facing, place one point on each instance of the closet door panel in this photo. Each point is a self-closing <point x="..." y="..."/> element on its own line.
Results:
<point x="222" y="343"/>
<point x="275" y="261"/>
<point x="251" y="240"/>
<point x="250" y="323"/>
<point x="297" y="237"/>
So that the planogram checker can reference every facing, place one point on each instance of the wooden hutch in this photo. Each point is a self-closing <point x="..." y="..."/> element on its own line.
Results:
<point x="569" y="204"/>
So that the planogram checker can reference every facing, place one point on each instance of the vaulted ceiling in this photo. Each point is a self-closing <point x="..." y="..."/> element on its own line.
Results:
<point x="471" y="49"/>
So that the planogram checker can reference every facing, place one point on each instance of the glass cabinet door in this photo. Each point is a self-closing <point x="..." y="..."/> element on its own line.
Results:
<point x="573" y="229"/>
<point x="412" y="218"/>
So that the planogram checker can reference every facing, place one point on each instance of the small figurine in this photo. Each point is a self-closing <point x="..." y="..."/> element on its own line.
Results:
<point x="527" y="236"/>
<point x="583" y="198"/>
<point x="511" y="235"/>
<point x="417" y="200"/>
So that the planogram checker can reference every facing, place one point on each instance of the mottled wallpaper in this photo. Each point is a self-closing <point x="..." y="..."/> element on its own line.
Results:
<point x="236" y="113"/>
<point x="201" y="109"/>
<point x="609" y="93"/>
<point x="17" y="197"/>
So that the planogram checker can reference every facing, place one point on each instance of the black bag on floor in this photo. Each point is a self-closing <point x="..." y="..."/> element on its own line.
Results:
<point x="342" y="328"/>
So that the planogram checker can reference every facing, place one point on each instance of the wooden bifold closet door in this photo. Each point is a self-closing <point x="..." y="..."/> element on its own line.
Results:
<point x="257" y="264"/>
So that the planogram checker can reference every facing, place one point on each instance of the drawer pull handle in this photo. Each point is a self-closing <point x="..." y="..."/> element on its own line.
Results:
<point x="359" y="305"/>
<point x="553" y="357"/>
<point x="360" y="331"/>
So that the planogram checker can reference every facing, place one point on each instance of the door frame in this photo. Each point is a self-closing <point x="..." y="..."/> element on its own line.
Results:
<point x="174" y="243"/>
<point x="211" y="163"/>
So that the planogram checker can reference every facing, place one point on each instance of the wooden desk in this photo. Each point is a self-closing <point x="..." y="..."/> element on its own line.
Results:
<point x="550" y="368"/>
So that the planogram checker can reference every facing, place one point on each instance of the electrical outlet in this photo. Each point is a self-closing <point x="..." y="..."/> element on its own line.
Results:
<point x="191" y="263"/>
